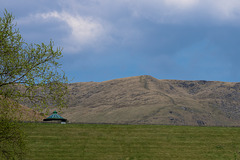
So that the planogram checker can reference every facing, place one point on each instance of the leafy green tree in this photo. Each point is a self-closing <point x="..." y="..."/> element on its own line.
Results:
<point x="29" y="73"/>
<point x="12" y="144"/>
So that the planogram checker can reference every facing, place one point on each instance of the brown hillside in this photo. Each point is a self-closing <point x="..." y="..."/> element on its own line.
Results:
<point x="28" y="114"/>
<point x="15" y="111"/>
<point x="147" y="100"/>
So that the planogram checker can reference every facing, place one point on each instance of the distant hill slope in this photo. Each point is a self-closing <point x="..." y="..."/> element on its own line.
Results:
<point x="19" y="112"/>
<point x="147" y="100"/>
<point x="28" y="114"/>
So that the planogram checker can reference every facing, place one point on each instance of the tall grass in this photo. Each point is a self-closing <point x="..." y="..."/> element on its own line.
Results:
<point x="131" y="142"/>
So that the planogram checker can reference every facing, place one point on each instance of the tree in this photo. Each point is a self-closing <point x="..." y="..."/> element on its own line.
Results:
<point x="28" y="73"/>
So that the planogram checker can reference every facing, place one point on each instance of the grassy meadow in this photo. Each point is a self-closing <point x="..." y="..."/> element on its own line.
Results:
<point x="130" y="142"/>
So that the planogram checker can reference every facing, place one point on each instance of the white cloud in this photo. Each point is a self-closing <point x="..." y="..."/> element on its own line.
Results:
<point x="181" y="4"/>
<point x="181" y="11"/>
<point x="225" y="9"/>
<point x="98" y="23"/>
<point x="84" y="30"/>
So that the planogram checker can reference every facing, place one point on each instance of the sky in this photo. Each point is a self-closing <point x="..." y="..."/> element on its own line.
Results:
<point x="110" y="39"/>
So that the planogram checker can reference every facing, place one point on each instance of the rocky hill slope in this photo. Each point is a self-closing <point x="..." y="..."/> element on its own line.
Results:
<point x="147" y="100"/>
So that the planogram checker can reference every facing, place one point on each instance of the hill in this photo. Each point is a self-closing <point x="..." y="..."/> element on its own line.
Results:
<point x="19" y="112"/>
<point x="28" y="114"/>
<point x="147" y="100"/>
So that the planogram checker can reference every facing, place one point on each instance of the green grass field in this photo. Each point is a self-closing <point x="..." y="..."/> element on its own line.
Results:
<point x="131" y="142"/>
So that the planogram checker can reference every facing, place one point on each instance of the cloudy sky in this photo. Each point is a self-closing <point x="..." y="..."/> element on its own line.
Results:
<point x="109" y="39"/>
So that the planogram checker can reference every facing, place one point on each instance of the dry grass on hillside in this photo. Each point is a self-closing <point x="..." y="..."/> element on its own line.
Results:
<point x="144" y="99"/>
<point x="16" y="111"/>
